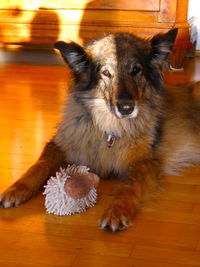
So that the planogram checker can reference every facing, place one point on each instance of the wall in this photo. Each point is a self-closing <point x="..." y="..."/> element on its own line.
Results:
<point x="194" y="10"/>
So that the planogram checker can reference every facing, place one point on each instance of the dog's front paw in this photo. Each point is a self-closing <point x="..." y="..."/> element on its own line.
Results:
<point x="117" y="217"/>
<point x="15" y="195"/>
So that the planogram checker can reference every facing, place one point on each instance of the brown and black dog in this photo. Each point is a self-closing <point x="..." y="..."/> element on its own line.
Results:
<point x="118" y="119"/>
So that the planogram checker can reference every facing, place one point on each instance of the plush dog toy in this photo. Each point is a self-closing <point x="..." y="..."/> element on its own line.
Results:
<point x="72" y="190"/>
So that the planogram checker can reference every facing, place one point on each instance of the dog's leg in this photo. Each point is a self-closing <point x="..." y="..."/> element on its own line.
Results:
<point x="30" y="182"/>
<point x="142" y="181"/>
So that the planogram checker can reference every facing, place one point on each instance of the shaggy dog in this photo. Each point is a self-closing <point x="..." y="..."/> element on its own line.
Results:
<point x="118" y="119"/>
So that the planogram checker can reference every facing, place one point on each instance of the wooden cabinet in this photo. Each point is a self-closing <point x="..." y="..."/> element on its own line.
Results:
<point x="43" y="22"/>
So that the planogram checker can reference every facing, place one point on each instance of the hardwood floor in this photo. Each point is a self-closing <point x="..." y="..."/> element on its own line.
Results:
<point x="165" y="234"/>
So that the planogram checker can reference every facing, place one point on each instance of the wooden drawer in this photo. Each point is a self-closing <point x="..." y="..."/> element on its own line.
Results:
<point x="43" y="22"/>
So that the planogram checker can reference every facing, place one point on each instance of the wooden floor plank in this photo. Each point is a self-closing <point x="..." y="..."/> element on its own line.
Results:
<point x="165" y="234"/>
<point x="88" y="260"/>
<point x="8" y="263"/>
<point x="169" y="256"/>
<point x="32" y="255"/>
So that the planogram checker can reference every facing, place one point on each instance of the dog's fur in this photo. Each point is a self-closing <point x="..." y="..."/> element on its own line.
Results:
<point x="119" y="120"/>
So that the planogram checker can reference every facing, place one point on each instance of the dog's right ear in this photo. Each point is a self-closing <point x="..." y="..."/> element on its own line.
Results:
<point x="75" y="56"/>
<point x="162" y="45"/>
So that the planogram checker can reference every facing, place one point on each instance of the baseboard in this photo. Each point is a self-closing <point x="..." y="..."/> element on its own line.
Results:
<point x="197" y="53"/>
<point x="30" y="56"/>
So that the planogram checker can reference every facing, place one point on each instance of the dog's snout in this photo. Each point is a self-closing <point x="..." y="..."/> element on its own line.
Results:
<point x="125" y="107"/>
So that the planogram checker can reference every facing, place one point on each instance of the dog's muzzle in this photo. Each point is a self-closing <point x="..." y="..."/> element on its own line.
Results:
<point x="126" y="109"/>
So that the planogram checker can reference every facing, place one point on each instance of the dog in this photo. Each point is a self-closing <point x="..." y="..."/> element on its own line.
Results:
<point x="119" y="120"/>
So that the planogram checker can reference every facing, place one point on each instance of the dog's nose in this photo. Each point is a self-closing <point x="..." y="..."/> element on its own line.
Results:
<point x="125" y="107"/>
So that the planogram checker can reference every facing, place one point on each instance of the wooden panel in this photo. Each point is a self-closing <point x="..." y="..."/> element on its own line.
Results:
<point x="181" y="12"/>
<point x="145" y="5"/>
<point x="47" y="34"/>
<point x="167" y="11"/>
<point x="102" y="17"/>
<point x="45" y="21"/>
<point x="46" y="27"/>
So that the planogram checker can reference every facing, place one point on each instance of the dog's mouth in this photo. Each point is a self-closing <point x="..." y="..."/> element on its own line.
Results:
<point x="125" y="110"/>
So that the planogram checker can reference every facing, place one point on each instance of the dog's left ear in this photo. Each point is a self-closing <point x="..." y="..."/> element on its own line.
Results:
<point x="75" y="56"/>
<point x="162" y="44"/>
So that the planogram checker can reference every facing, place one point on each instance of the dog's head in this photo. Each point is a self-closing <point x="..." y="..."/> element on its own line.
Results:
<point x="120" y="69"/>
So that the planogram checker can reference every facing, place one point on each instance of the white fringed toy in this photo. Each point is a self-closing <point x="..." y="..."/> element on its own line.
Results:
<point x="72" y="190"/>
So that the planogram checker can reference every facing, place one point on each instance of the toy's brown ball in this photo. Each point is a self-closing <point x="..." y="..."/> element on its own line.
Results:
<point x="80" y="184"/>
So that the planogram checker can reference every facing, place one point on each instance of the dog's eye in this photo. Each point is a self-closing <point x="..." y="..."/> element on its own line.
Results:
<point x="106" y="73"/>
<point x="135" y="70"/>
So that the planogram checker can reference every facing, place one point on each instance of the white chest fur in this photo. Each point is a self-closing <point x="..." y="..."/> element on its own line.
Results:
<point x="85" y="140"/>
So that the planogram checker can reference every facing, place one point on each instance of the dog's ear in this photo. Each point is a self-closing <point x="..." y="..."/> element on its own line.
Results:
<point x="75" y="56"/>
<point x="162" y="44"/>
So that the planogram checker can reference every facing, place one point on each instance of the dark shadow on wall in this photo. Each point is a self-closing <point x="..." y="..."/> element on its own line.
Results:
<point x="44" y="29"/>
<point x="44" y="32"/>
<point x="89" y="21"/>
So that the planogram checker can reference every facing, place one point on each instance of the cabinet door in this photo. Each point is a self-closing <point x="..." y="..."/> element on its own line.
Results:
<point x="142" y="5"/>
<point x="45" y="21"/>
